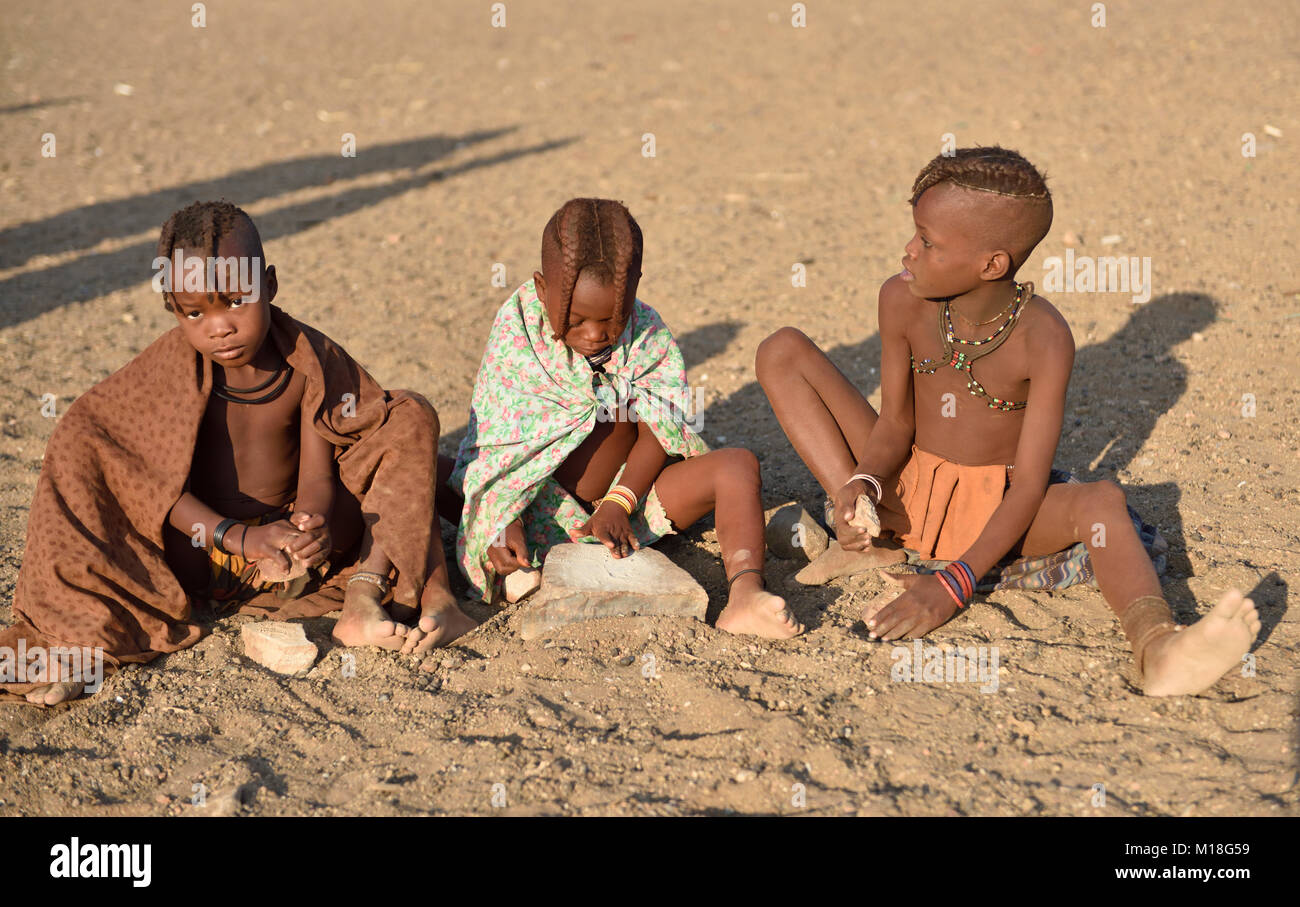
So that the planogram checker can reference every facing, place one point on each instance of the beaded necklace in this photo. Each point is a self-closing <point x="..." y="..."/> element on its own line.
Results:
<point x="962" y="361"/>
<point x="980" y="324"/>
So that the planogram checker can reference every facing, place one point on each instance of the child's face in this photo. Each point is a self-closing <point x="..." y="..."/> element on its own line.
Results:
<point x="228" y="326"/>
<point x="592" y="327"/>
<point x="944" y="257"/>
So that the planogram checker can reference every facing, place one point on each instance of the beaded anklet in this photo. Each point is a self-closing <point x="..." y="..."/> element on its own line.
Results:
<point x="377" y="580"/>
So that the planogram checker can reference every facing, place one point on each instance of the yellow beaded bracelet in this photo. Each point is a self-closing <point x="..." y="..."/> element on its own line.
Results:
<point x="619" y="501"/>
<point x="623" y="497"/>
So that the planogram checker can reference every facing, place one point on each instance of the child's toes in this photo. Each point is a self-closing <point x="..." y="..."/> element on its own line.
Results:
<point x="1232" y="603"/>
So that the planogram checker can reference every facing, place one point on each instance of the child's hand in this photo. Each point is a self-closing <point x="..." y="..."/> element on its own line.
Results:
<point x="509" y="551"/>
<point x="270" y="542"/>
<point x="924" y="605"/>
<point x="610" y="526"/>
<point x="851" y="538"/>
<point x="316" y="544"/>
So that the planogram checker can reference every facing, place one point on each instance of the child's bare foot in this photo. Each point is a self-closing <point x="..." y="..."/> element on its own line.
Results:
<point x="1194" y="657"/>
<point x="837" y="562"/>
<point x="752" y="609"/>
<point x="441" y="621"/>
<point x="54" y="693"/>
<point x="365" y="622"/>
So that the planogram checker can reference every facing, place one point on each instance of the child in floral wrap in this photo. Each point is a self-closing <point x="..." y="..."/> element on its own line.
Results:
<point x="578" y="427"/>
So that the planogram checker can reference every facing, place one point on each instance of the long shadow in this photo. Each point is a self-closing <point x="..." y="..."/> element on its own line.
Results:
<point x="86" y="227"/>
<point x="33" y="293"/>
<point x="38" y="105"/>
<point x="1119" y="390"/>
<point x="1269" y="596"/>
<point x="703" y="343"/>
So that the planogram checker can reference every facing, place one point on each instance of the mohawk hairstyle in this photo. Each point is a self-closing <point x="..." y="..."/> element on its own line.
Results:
<point x="597" y="235"/>
<point x="985" y="169"/>
<point x="198" y="228"/>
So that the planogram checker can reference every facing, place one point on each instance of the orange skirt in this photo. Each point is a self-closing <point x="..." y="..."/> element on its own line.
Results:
<point x="939" y="508"/>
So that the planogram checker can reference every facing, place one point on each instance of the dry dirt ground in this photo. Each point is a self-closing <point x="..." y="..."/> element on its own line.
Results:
<point x="774" y="145"/>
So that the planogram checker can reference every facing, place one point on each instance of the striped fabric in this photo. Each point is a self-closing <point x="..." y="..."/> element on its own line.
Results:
<point x="1062" y="569"/>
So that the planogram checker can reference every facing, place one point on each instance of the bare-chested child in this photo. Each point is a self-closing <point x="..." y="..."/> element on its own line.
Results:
<point x="938" y="460"/>
<point x="289" y="421"/>
<point x="579" y="429"/>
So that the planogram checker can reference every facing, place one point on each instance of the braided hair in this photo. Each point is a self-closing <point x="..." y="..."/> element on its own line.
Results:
<point x="199" y="228"/>
<point x="598" y="236"/>
<point x="1019" y="202"/>
<point x="985" y="169"/>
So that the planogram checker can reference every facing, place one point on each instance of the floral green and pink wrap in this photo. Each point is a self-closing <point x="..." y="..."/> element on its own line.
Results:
<point x="535" y="400"/>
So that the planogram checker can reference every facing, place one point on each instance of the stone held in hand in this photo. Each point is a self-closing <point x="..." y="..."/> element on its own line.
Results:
<point x="584" y="582"/>
<point x="521" y="584"/>
<point x="865" y="516"/>
<point x="273" y="569"/>
<point x="280" y="647"/>
<point x="793" y="534"/>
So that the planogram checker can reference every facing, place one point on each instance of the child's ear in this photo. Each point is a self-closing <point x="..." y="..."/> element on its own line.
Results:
<point x="997" y="267"/>
<point x="540" y="283"/>
<point x="271" y="284"/>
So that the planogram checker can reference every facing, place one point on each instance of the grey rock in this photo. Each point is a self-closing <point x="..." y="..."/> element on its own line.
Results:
<point x="586" y="582"/>
<point x="281" y="647"/>
<point x="793" y="534"/>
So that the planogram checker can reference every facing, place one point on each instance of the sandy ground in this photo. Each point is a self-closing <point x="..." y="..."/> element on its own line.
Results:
<point x="774" y="145"/>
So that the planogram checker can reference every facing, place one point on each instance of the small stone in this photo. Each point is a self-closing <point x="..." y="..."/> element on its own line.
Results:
<point x="123" y="89"/>
<point x="865" y="516"/>
<point x="1111" y="239"/>
<point x="1198" y="337"/>
<point x="585" y="582"/>
<point x="281" y="647"/>
<point x="793" y="534"/>
<point x="1224" y="434"/>
<point x="627" y="660"/>
<point x="223" y="804"/>
<point x="521" y="584"/>
<point x="1273" y="131"/>
<point x="1071" y="238"/>
<point x="745" y="775"/>
<point x="162" y="799"/>
<point x="429" y="665"/>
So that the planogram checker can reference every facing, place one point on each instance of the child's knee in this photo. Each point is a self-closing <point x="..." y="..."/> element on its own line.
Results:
<point x="736" y="464"/>
<point x="1102" y="499"/>
<point x="781" y="348"/>
<point x="420" y="413"/>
